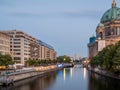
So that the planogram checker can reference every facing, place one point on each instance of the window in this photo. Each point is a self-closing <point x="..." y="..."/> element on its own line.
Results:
<point x="0" y="47"/>
<point x="25" y="50"/>
<point x="1" y="41"/>
<point x="25" y="58"/>
<point x="25" y="40"/>
<point x="16" y="39"/>
<point x="17" y="58"/>
<point x="107" y="16"/>
<point x="19" y="33"/>
<point x="16" y="49"/>
<point x="25" y="46"/>
<point x="11" y="36"/>
<point x="107" y="32"/>
<point x="17" y="53"/>
<point x="16" y="46"/>
<point x="16" y="42"/>
<point x="25" y="53"/>
<point x="11" y="32"/>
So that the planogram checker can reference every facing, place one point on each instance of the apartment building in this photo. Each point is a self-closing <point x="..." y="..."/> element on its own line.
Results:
<point x="24" y="47"/>
<point x="21" y="46"/>
<point x="4" y="43"/>
<point x="47" y="51"/>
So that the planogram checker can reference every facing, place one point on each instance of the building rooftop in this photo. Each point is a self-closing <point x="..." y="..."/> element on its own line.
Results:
<point x="45" y="44"/>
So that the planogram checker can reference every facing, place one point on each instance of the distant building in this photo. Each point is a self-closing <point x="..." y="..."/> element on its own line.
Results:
<point x="4" y="43"/>
<point x="24" y="47"/>
<point x="107" y="31"/>
<point x="95" y="46"/>
<point x="47" y="51"/>
<point x="76" y="57"/>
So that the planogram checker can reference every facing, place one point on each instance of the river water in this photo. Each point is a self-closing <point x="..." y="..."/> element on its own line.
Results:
<point x="67" y="79"/>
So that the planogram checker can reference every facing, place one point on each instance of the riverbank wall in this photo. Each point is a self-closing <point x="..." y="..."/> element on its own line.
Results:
<point x="104" y="73"/>
<point x="21" y="74"/>
<point x="27" y="73"/>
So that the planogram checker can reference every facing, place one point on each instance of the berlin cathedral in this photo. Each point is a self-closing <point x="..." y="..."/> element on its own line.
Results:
<point x="107" y="31"/>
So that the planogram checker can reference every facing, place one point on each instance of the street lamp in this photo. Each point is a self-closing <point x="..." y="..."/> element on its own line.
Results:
<point x="64" y="60"/>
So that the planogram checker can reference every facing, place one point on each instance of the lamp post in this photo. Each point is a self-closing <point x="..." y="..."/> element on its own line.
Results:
<point x="64" y="59"/>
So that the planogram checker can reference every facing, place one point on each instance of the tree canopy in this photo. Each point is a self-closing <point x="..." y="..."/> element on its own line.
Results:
<point x="108" y="58"/>
<point x="64" y="59"/>
<point x="5" y="60"/>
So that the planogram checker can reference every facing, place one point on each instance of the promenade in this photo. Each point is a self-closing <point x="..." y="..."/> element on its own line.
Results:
<point x="12" y="76"/>
<point x="7" y="77"/>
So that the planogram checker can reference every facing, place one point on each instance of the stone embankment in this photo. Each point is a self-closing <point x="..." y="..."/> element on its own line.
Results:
<point x="104" y="73"/>
<point x="26" y="73"/>
<point x="8" y="77"/>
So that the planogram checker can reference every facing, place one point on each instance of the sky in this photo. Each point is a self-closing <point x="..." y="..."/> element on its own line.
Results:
<point x="64" y="24"/>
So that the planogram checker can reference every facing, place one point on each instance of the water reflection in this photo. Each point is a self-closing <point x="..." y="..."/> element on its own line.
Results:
<point x="71" y="72"/>
<point x="34" y="83"/>
<point x="64" y="74"/>
<point x="72" y="79"/>
<point x="67" y="79"/>
<point x="67" y="72"/>
<point x="84" y="73"/>
<point x="98" y="82"/>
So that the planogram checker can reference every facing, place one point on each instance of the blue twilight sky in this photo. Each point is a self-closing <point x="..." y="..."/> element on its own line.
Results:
<point x="64" y="24"/>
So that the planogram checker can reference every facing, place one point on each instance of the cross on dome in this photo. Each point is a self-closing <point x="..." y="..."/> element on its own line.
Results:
<point x="114" y="3"/>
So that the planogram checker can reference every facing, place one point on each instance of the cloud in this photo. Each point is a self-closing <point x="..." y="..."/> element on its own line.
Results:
<point x="29" y="14"/>
<point x="34" y="9"/>
<point x="11" y="8"/>
<point x="64" y="13"/>
<point x="84" y="14"/>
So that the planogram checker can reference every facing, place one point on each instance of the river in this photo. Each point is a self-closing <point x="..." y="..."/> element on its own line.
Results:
<point x="67" y="79"/>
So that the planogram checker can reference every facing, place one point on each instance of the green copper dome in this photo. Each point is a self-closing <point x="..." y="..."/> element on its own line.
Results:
<point x="111" y="14"/>
<point x="100" y="25"/>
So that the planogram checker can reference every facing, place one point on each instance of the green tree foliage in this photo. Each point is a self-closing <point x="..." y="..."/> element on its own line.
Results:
<point x="54" y="61"/>
<point x="116" y="61"/>
<point x="108" y="58"/>
<point x="108" y="54"/>
<point x="64" y="59"/>
<point x="5" y="60"/>
<point x="95" y="62"/>
<point x="32" y="62"/>
<point x="60" y="59"/>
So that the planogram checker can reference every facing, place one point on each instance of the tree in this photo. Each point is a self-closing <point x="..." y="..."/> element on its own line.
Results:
<point x="108" y="55"/>
<point x="64" y="59"/>
<point x="116" y="61"/>
<point x="32" y="62"/>
<point x="54" y="61"/>
<point x="95" y="61"/>
<point x="108" y="58"/>
<point x="39" y="62"/>
<point x="6" y="60"/>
